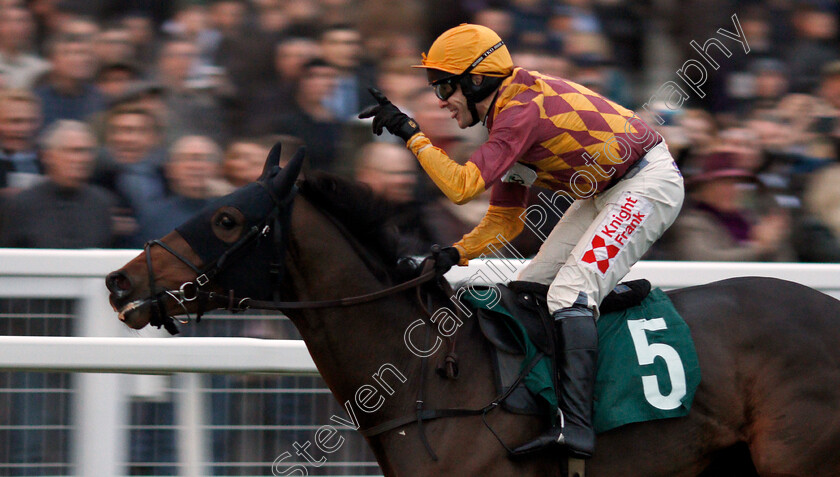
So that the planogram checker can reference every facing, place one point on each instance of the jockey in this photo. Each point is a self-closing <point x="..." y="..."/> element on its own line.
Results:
<point x="616" y="172"/>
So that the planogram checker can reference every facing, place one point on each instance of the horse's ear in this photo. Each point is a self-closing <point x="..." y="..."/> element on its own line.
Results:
<point x="272" y="161"/>
<point x="284" y="181"/>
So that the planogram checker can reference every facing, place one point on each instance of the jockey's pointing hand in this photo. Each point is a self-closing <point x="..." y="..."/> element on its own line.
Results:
<point x="386" y="115"/>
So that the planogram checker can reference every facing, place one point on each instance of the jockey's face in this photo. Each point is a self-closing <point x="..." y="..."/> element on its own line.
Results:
<point x="457" y="106"/>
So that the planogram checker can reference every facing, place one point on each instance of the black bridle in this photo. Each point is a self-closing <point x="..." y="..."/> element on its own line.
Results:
<point x="274" y="227"/>
<point x="189" y="291"/>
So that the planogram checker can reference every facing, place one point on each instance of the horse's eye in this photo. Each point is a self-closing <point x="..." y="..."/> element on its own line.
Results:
<point x="226" y="222"/>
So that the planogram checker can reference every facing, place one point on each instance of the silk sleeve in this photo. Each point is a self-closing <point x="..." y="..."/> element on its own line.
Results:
<point x="459" y="183"/>
<point x="498" y="221"/>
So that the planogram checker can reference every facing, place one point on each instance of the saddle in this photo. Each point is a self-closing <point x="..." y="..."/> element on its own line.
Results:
<point x="526" y="302"/>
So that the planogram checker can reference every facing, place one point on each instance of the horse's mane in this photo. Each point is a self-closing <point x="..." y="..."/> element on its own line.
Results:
<point x="366" y="216"/>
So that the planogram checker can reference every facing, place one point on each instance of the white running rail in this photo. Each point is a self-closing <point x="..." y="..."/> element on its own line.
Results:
<point x="104" y="347"/>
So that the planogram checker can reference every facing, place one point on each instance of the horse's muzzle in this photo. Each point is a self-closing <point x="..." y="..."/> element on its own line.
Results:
<point x="119" y="284"/>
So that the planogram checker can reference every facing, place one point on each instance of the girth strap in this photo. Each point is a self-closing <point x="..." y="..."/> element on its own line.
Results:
<point x="430" y="414"/>
<point x="424" y="415"/>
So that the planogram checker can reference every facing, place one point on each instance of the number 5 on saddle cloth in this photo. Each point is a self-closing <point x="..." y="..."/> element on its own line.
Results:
<point x="647" y="365"/>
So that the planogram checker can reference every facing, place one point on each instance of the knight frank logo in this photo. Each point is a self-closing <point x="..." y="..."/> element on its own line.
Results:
<point x="615" y="231"/>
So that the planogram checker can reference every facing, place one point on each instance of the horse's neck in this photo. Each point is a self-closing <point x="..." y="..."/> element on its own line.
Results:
<point x="362" y="354"/>
<point x="352" y="346"/>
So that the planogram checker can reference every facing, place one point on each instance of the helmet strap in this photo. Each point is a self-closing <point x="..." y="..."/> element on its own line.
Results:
<point x="473" y="112"/>
<point x="476" y="93"/>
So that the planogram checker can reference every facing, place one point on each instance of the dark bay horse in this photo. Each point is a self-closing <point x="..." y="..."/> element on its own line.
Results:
<point x="769" y="350"/>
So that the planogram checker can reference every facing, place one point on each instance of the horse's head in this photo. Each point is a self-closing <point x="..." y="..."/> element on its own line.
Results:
<point x="235" y="239"/>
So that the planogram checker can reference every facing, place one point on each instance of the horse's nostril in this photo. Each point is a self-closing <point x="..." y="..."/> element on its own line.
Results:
<point x="118" y="283"/>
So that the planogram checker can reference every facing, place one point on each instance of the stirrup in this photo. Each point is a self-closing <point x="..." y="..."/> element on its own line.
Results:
<point x="545" y="441"/>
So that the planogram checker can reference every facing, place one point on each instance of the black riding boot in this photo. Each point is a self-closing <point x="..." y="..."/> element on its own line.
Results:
<point x="575" y="357"/>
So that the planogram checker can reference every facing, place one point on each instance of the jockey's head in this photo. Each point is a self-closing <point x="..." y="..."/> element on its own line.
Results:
<point x="470" y="56"/>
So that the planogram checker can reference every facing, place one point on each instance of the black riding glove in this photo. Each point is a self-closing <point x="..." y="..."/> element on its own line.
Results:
<point x="386" y="115"/>
<point x="447" y="258"/>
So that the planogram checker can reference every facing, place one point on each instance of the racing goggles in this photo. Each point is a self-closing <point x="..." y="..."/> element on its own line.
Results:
<point x="446" y="87"/>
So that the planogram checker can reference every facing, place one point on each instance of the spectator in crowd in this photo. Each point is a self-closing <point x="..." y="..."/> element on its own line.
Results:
<point x="131" y="165"/>
<point x="82" y="27"/>
<point x="244" y="160"/>
<point x="309" y="119"/>
<point x="68" y="92"/>
<point x="538" y="59"/>
<point x="829" y="92"/>
<point x="21" y="68"/>
<point x="497" y="19"/>
<point x="303" y="14"/>
<point x="243" y="55"/>
<point x="809" y="122"/>
<point x="291" y="55"/>
<point x="829" y="89"/>
<point x="388" y="171"/>
<point x="191" y="21"/>
<point x="624" y="24"/>
<point x="814" y="44"/>
<point x="399" y="81"/>
<point x="193" y="172"/>
<point x="697" y="136"/>
<point x="65" y="211"/>
<point x="141" y="31"/>
<point x="529" y="19"/>
<point x="716" y="225"/>
<point x="336" y="11"/>
<point x="391" y="171"/>
<point x="757" y="26"/>
<point x="113" y="45"/>
<point x="272" y="19"/>
<point x="20" y="117"/>
<point x="147" y="95"/>
<point x="114" y="79"/>
<point x="192" y="108"/>
<point x="275" y="95"/>
<point x="816" y="235"/>
<point x="245" y="157"/>
<point x="771" y="83"/>
<point x="341" y="46"/>
<point x="595" y="71"/>
<point x="756" y="80"/>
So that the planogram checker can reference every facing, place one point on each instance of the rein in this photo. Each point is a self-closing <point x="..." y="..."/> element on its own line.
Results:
<point x="247" y="303"/>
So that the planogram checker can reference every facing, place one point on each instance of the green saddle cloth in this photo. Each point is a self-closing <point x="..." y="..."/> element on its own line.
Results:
<point x="647" y="364"/>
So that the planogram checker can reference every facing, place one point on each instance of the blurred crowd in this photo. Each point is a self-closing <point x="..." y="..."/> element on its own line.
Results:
<point x="118" y="120"/>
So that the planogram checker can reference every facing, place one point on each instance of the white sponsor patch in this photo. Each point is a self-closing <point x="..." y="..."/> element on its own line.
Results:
<point x="520" y="174"/>
<point x="615" y="231"/>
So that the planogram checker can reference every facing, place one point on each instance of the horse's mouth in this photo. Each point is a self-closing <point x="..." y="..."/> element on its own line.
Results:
<point x="128" y="313"/>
